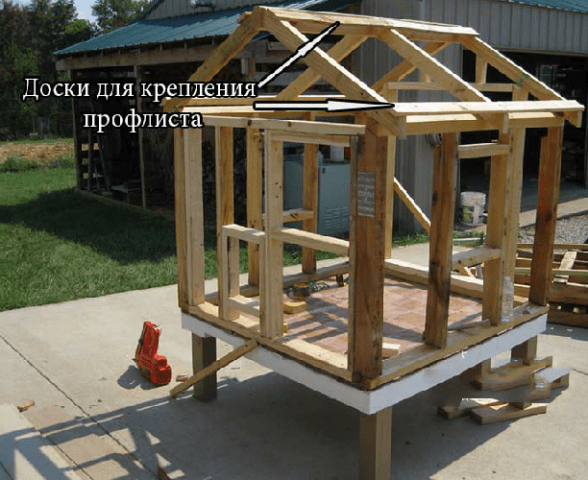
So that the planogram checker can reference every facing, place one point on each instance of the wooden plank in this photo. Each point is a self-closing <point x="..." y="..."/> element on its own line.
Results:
<point x="426" y="63"/>
<point x="249" y="235"/>
<point x="480" y="150"/>
<point x="470" y="287"/>
<point x="308" y="78"/>
<point x="214" y="63"/>
<point x="420" y="216"/>
<point x="494" y="87"/>
<point x="375" y="445"/>
<point x="214" y="367"/>
<point x="366" y="252"/>
<point x="414" y="86"/>
<point x="140" y="135"/>
<point x="347" y="83"/>
<point x="478" y="108"/>
<point x="194" y="215"/>
<point x="547" y="198"/>
<point x="310" y="192"/>
<point x="571" y="319"/>
<point x="230" y="275"/>
<point x="390" y="182"/>
<point x="203" y="355"/>
<point x="254" y="198"/>
<point x="481" y="69"/>
<point x="441" y="241"/>
<point x="295" y="215"/>
<point x="313" y="240"/>
<point x="565" y="246"/>
<point x="272" y="317"/>
<point x="224" y="207"/>
<point x="566" y="273"/>
<point x="180" y="217"/>
<point x="466" y="406"/>
<point x="318" y="21"/>
<point x="502" y="413"/>
<point x="475" y="256"/>
<point x="511" y="375"/>
<point x="496" y="234"/>
<point x="306" y="138"/>
<point x="405" y="68"/>
<point x="245" y="305"/>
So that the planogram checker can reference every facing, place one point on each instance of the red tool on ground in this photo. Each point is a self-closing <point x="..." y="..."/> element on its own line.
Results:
<point x="151" y="365"/>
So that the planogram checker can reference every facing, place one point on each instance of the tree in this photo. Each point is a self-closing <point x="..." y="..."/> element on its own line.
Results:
<point x="112" y="14"/>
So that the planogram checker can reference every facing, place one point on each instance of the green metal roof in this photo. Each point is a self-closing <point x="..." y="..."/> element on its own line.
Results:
<point x="573" y="5"/>
<point x="143" y="32"/>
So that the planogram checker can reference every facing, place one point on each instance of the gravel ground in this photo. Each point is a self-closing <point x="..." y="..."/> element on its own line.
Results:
<point x="568" y="230"/>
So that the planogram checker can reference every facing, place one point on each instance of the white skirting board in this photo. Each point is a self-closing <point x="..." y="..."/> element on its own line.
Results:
<point x="370" y="402"/>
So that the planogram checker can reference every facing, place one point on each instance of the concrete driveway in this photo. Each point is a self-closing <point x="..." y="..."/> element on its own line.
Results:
<point x="74" y="360"/>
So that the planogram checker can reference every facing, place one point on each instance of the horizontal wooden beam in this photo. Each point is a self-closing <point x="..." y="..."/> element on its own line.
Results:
<point x="246" y="234"/>
<point x="477" y="108"/>
<point x="494" y="87"/>
<point x="295" y="215"/>
<point x="313" y="240"/>
<point x="316" y="139"/>
<point x="474" y="256"/>
<point x="480" y="150"/>
<point x="244" y="305"/>
<point x="558" y="246"/>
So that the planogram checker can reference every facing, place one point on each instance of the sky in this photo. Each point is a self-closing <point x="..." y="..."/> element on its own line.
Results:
<point x="83" y="7"/>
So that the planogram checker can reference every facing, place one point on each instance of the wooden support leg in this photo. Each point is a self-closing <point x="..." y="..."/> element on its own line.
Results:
<point x="366" y="252"/>
<point x="547" y="198"/>
<point x="375" y="445"/>
<point x="526" y="351"/>
<point x="204" y="354"/>
<point x="180" y="209"/>
<point x="442" y="216"/>
<point x="254" y="198"/>
<point x="390" y="195"/>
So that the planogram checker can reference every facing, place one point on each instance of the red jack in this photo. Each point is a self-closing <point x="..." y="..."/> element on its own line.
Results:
<point x="150" y="364"/>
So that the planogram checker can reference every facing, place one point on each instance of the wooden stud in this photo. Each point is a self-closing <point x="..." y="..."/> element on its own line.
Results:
<point x="366" y="246"/>
<point x="313" y="240"/>
<point x="390" y="170"/>
<point x="272" y="317"/>
<point x="441" y="244"/>
<point x="481" y="69"/>
<point x="224" y="206"/>
<point x="254" y="198"/>
<point x="420" y="216"/>
<point x="203" y="355"/>
<point x="547" y="198"/>
<point x="194" y="216"/>
<point x="90" y="160"/>
<point x="76" y="133"/>
<point x="496" y="234"/>
<point x="180" y="214"/>
<point x="526" y="351"/>
<point x="375" y="445"/>
<point x="230" y="275"/>
<point x="310" y="192"/>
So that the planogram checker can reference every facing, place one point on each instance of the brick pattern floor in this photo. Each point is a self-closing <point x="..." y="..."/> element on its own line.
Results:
<point x="325" y="321"/>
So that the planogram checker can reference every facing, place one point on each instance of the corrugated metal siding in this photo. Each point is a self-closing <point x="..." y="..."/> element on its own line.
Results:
<point x="515" y="26"/>
<point x="175" y="8"/>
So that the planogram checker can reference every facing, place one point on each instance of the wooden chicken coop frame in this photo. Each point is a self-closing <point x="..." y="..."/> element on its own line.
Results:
<point x="358" y="375"/>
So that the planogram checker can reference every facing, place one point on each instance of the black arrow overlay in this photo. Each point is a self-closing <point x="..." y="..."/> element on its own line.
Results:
<point x="331" y="105"/>
<point x="302" y="51"/>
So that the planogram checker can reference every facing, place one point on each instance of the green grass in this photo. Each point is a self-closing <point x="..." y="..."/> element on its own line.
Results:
<point x="28" y="141"/>
<point x="15" y="163"/>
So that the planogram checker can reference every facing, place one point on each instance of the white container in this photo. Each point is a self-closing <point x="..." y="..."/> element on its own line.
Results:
<point x="472" y="208"/>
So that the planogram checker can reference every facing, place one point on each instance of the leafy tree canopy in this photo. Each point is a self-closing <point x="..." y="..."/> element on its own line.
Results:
<point x="112" y="14"/>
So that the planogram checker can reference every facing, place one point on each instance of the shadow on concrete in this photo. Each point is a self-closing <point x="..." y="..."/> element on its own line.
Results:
<point x="269" y="427"/>
<point x="577" y="333"/>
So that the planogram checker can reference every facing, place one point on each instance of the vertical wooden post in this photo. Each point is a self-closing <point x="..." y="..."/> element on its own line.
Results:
<point x="194" y="216"/>
<point x="254" y="197"/>
<point x="366" y="251"/>
<point x="497" y="230"/>
<point x="481" y="69"/>
<point x="141" y="135"/>
<point x="76" y="133"/>
<point x="547" y="197"/>
<point x="310" y="191"/>
<point x="440" y="251"/>
<point x="390" y="172"/>
<point x="517" y="151"/>
<point x="90" y="160"/>
<point x="224" y="204"/>
<point x="375" y="445"/>
<point x="203" y="354"/>
<point x="180" y="214"/>
<point x="273" y="316"/>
